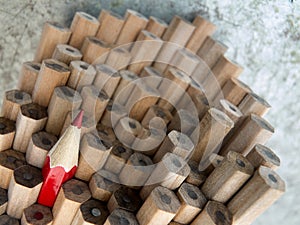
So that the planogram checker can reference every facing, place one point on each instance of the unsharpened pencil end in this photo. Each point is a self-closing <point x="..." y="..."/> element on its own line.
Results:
<point x="78" y="120"/>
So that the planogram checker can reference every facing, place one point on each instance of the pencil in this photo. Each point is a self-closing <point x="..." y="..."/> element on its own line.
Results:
<point x="7" y="133"/>
<point x="61" y="163"/>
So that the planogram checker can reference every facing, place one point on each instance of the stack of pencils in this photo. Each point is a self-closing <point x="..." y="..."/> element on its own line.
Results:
<point x="130" y="120"/>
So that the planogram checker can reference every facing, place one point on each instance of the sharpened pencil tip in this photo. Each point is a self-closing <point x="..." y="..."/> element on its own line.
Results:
<point x="78" y="120"/>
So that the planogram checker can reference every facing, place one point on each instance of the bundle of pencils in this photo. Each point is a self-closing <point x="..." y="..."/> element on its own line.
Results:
<point x="129" y="120"/>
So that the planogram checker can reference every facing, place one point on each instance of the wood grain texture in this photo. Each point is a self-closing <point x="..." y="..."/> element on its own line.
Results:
<point x="134" y="23"/>
<point x="37" y="215"/>
<point x="111" y="25"/>
<point x="203" y="29"/>
<point x="23" y="190"/>
<point x="31" y="119"/>
<point x="94" y="101"/>
<point x="261" y="155"/>
<point x="9" y="161"/>
<point x="214" y="213"/>
<point x="192" y="202"/>
<point x="52" y="35"/>
<point x="159" y="208"/>
<point x="28" y="76"/>
<point x="7" y="133"/>
<point x="169" y="173"/>
<point x="82" y="74"/>
<point x="264" y="188"/>
<point x="63" y="100"/>
<point x="52" y="74"/>
<point x="156" y="26"/>
<point x="82" y="20"/>
<point x="94" y="50"/>
<point x="91" y="212"/>
<point x="121" y="217"/>
<point x="12" y="102"/>
<point x="103" y="184"/>
<point x="178" y="32"/>
<point x="93" y="155"/>
<point x="38" y="148"/>
<point x="227" y="178"/>
<point x="124" y="198"/>
<point x="66" y="54"/>
<point x="254" y="130"/>
<point x="72" y="194"/>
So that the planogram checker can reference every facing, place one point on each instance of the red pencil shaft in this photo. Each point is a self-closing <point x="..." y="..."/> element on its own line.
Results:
<point x="54" y="178"/>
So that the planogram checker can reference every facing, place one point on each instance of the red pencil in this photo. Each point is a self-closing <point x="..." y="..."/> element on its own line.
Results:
<point x="61" y="163"/>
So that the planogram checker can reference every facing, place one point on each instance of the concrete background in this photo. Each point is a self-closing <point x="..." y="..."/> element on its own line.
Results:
<point x="262" y="35"/>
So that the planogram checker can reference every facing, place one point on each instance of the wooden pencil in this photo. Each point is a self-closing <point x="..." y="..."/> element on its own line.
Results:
<point x="52" y="74"/>
<point x="12" y="102"/>
<point x="156" y="26"/>
<point x="113" y="113"/>
<point x="261" y="155"/>
<point x="9" y="161"/>
<point x="23" y="190"/>
<point x="134" y="23"/>
<point x="175" y="80"/>
<point x="72" y="194"/>
<point x="28" y="76"/>
<point x="121" y="216"/>
<point x="169" y="173"/>
<point x="93" y="155"/>
<point x="177" y="143"/>
<point x="192" y="202"/>
<point x="204" y="28"/>
<point x="94" y="101"/>
<point x="83" y="25"/>
<point x="253" y="103"/>
<point x="185" y="61"/>
<point x="231" y="111"/>
<point x="107" y="79"/>
<point x="63" y="100"/>
<point x="66" y="54"/>
<point x="61" y="163"/>
<point x="52" y="35"/>
<point x="111" y="25"/>
<point x="94" y="50"/>
<point x="124" y="198"/>
<point x="3" y="200"/>
<point x="136" y="171"/>
<point x="88" y="123"/>
<point x="118" y="58"/>
<point x="91" y="212"/>
<point x="235" y="91"/>
<point x="159" y="208"/>
<point x="254" y="130"/>
<point x="125" y="87"/>
<point x="212" y="129"/>
<point x="31" y="119"/>
<point x="103" y="184"/>
<point x="214" y="213"/>
<point x="264" y="188"/>
<point x="82" y="74"/>
<point x="157" y="112"/>
<point x="106" y="133"/>
<point x="141" y="99"/>
<point x="177" y="35"/>
<point x="144" y="51"/>
<point x="156" y="76"/>
<point x="117" y="158"/>
<point x="227" y="178"/>
<point x="38" y="148"/>
<point x="7" y="133"/>
<point x="195" y="176"/>
<point x="5" y="219"/>
<point x="36" y="215"/>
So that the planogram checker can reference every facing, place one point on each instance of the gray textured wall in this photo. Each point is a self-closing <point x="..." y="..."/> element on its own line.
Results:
<point x="262" y="35"/>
